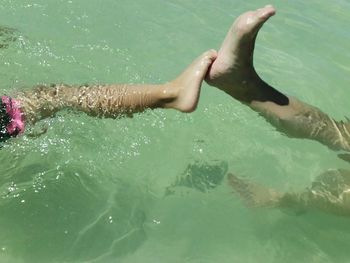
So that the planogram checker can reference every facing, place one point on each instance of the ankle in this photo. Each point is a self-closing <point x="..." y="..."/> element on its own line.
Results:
<point x="167" y="93"/>
<point x="253" y="88"/>
<point x="268" y="93"/>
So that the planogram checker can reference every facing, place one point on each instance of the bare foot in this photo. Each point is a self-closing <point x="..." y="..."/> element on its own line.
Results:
<point x="188" y="83"/>
<point x="233" y="70"/>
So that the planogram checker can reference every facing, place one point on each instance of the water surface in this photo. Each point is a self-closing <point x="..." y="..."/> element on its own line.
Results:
<point x="92" y="190"/>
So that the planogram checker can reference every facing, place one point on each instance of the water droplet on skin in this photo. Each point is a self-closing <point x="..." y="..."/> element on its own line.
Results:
<point x="250" y="20"/>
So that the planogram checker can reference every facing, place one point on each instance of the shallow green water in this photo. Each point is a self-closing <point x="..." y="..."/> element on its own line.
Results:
<point x="92" y="190"/>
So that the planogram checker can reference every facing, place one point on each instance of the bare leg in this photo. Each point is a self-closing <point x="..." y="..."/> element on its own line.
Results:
<point x="254" y="195"/>
<point x="234" y="73"/>
<point x="329" y="193"/>
<point x="112" y="100"/>
<point x="258" y="196"/>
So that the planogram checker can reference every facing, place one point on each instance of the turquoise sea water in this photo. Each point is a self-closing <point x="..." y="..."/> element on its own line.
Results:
<point x="92" y="190"/>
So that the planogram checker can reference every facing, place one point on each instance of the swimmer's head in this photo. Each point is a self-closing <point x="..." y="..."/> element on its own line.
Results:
<point x="4" y="122"/>
<point x="11" y="118"/>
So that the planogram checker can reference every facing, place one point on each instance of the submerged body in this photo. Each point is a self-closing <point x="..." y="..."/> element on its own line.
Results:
<point x="329" y="193"/>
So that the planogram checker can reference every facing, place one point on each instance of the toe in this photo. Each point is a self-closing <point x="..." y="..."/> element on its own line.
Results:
<point x="206" y="59"/>
<point x="209" y="56"/>
<point x="266" y="12"/>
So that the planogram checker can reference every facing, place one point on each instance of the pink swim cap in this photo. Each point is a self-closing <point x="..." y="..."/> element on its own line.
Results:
<point x="16" y="124"/>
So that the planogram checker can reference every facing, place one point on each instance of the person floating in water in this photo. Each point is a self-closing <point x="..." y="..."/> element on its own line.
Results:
<point x="108" y="101"/>
<point x="233" y="72"/>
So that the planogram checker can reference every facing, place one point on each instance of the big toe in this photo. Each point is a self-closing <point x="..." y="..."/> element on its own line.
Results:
<point x="204" y="62"/>
<point x="264" y="13"/>
<point x="208" y="57"/>
<point x="250" y="22"/>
